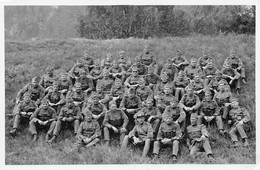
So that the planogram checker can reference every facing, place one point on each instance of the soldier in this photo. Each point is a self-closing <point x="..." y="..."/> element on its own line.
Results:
<point x="232" y="77"/>
<point x="106" y="82"/>
<point x="177" y="114"/>
<point x="107" y="63"/>
<point x="237" y="64"/>
<point x="131" y="104"/>
<point x="123" y="61"/>
<point x="24" y="110"/>
<point x="198" y="86"/>
<point x="55" y="98"/>
<point x="117" y="71"/>
<point x="214" y="83"/>
<point x="192" y="69"/>
<point x="147" y="57"/>
<point x="180" y="83"/>
<point x="74" y="71"/>
<point x="151" y="79"/>
<point x="209" y="111"/>
<point x="222" y="97"/>
<point x="170" y="70"/>
<point x="209" y="72"/>
<point x="115" y="122"/>
<point x="239" y="120"/>
<point x="198" y="138"/>
<point x="65" y="84"/>
<point x="169" y="134"/>
<point x="43" y="117"/>
<point x="132" y="80"/>
<point x="142" y="91"/>
<point x="78" y="95"/>
<point x="48" y="79"/>
<point x="69" y="115"/>
<point x="88" y="60"/>
<point x="190" y="104"/>
<point x="86" y="83"/>
<point x="96" y="72"/>
<point x="89" y="132"/>
<point x="160" y="86"/>
<point x="203" y="61"/>
<point x="97" y="109"/>
<point x="180" y="61"/>
<point x="152" y="115"/>
<point x="142" y="134"/>
<point x="35" y="90"/>
<point x="165" y="99"/>
<point x="142" y="69"/>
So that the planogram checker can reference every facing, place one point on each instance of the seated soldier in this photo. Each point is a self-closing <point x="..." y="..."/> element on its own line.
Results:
<point x="115" y="122"/>
<point x="165" y="99"/>
<point x="96" y="72"/>
<point x="123" y="60"/>
<point x="180" y="61"/>
<point x="55" y="98"/>
<point x="169" y="134"/>
<point x="197" y="139"/>
<point x="141" y="134"/>
<point x="69" y="115"/>
<point x="107" y="62"/>
<point x="209" y="111"/>
<point x="147" y="57"/>
<point x="176" y="112"/>
<point x="203" y="61"/>
<point x="180" y="83"/>
<point x="89" y="132"/>
<point x="24" y="110"/>
<point x="151" y="79"/>
<point x="190" y="103"/>
<point x="198" y="86"/>
<point x="209" y="72"/>
<point x="88" y="60"/>
<point x="78" y="96"/>
<point x="192" y="69"/>
<point x="117" y="71"/>
<point x="44" y="117"/>
<point x="132" y="80"/>
<point x="106" y="82"/>
<point x="239" y="120"/>
<point x="48" y="79"/>
<point x="152" y="115"/>
<point x="160" y="86"/>
<point x="74" y="71"/>
<point x="65" y="84"/>
<point x="130" y="104"/>
<point x="142" y="91"/>
<point x="142" y="69"/>
<point x="214" y="83"/>
<point x="86" y="83"/>
<point x="170" y="70"/>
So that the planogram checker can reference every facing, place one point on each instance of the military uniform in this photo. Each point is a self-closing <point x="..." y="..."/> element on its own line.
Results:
<point x="180" y="83"/>
<point x="164" y="100"/>
<point x="105" y="84"/>
<point x="78" y="97"/>
<point x="191" y="71"/>
<point x="214" y="83"/>
<point x="208" y="74"/>
<point x="97" y="109"/>
<point x="56" y="100"/>
<point x="198" y="87"/>
<point x="67" y="84"/>
<point x="230" y="72"/>
<point x="180" y="60"/>
<point x="47" y="80"/>
<point x="171" y="71"/>
<point x="75" y="70"/>
<point x="86" y="83"/>
<point x="115" y="92"/>
<point x="203" y="61"/>
<point x="143" y="92"/>
<point x="119" y="71"/>
<point x="222" y="98"/>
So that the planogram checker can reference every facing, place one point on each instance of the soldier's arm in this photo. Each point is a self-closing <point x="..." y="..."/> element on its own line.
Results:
<point x="181" y="103"/>
<point x="97" y="132"/>
<point x="105" y="121"/>
<point x="122" y="104"/>
<point x="53" y="115"/>
<point x="80" y="130"/>
<point x="35" y="114"/>
<point x="158" y="114"/>
<point x="217" y="109"/>
<point x="201" y="111"/>
<point x="150" y="132"/>
<point x="197" y="105"/>
<point x="104" y="110"/>
<point x="139" y="104"/>
<point x="126" y="120"/>
<point x="21" y="92"/>
<point x="61" y="115"/>
<point x="71" y="72"/>
<point x="132" y="132"/>
<point x="204" y="131"/>
<point x="160" y="133"/>
<point x="185" y="62"/>
<point x="182" y="115"/>
<point x="240" y="64"/>
<point x="126" y="83"/>
<point x="178" y="132"/>
<point x="77" y="114"/>
<point x="91" y="85"/>
<point x="41" y="95"/>
<point x="42" y="81"/>
<point x="237" y="75"/>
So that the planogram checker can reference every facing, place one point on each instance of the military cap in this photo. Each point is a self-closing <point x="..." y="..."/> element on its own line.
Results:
<point x="193" y="59"/>
<point x="141" y="79"/>
<point x="81" y="71"/>
<point x="139" y="114"/>
<point x="77" y="84"/>
<point x="147" y="46"/>
<point x="165" y="75"/>
<point x="118" y="80"/>
<point x="134" y="68"/>
<point x="221" y="82"/>
<point x="165" y="116"/>
<point x="86" y="112"/>
<point x="122" y="52"/>
<point x="44" y="101"/>
<point x="174" y="99"/>
<point x="194" y="116"/>
<point x="167" y="86"/>
<point x="55" y="83"/>
<point x="207" y="92"/>
<point x="79" y="60"/>
<point x="234" y="99"/>
<point x="218" y="71"/>
<point x="36" y="79"/>
<point x="197" y="75"/>
<point x="26" y="94"/>
<point x="190" y="86"/>
<point x="109" y="55"/>
<point x="181" y="74"/>
<point x="112" y="102"/>
<point x="94" y="95"/>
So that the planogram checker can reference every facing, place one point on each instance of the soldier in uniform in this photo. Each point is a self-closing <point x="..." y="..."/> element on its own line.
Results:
<point x="141" y="134"/>
<point x="95" y="73"/>
<point x="108" y="62"/>
<point x="160" y="86"/>
<point x="192" y="69"/>
<point x="232" y="77"/>
<point x="44" y="117"/>
<point x="123" y="61"/>
<point x="151" y="79"/>
<point x="142" y="69"/>
<point x="198" y="86"/>
<point x="190" y="103"/>
<point x="180" y="61"/>
<point x="180" y="83"/>
<point x="89" y="132"/>
<point x="106" y="82"/>
<point x="237" y="64"/>
<point x="115" y="122"/>
<point x="132" y="80"/>
<point x="165" y="99"/>
<point x="197" y="139"/>
<point x="24" y="110"/>
<point x="131" y="104"/>
<point x="88" y="60"/>
<point x="214" y="83"/>
<point x="239" y="120"/>
<point x="209" y="72"/>
<point x="169" y="134"/>
<point x="209" y="111"/>
<point x="117" y="71"/>
<point x="69" y="115"/>
<point x="78" y="96"/>
<point x="152" y="115"/>
<point x="86" y="83"/>
<point x="74" y="71"/>
<point x="170" y="70"/>
<point x="65" y="84"/>
<point x="48" y="79"/>
<point x="177" y="114"/>
<point x="147" y="57"/>
<point x="142" y="91"/>
<point x="203" y="61"/>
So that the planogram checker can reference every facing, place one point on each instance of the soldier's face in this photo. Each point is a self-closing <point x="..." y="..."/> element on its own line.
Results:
<point x="222" y="87"/>
<point x="98" y="90"/>
<point x="50" y="72"/>
<point x="168" y="120"/>
<point x="55" y="87"/>
<point x="180" y="77"/>
<point x="146" y="49"/>
<point x="105" y="74"/>
<point x="34" y="83"/>
<point x="193" y="121"/>
<point x="70" y="104"/>
<point x="122" y="55"/>
<point x="82" y="75"/>
<point x="141" y="83"/>
<point x="117" y="84"/>
<point x="150" y="70"/>
<point x="109" y="58"/>
<point x="135" y="72"/>
<point x="193" y="63"/>
<point x="218" y="76"/>
<point x="178" y="54"/>
<point x="63" y="77"/>
<point x="131" y="94"/>
<point x="197" y="78"/>
<point x="95" y="100"/>
<point x="174" y="104"/>
<point x="112" y="107"/>
<point x="189" y="91"/>
<point x="164" y="78"/>
<point x="207" y="97"/>
<point x="167" y="91"/>
<point x="149" y="104"/>
<point x="78" y="88"/>
<point x="116" y="64"/>
<point x="234" y="104"/>
<point x="210" y="65"/>
<point x="140" y="120"/>
<point x="26" y="99"/>
<point x="88" y="117"/>
<point x="45" y="106"/>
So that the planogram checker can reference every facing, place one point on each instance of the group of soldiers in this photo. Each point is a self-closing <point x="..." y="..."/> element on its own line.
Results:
<point x="141" y="102"/>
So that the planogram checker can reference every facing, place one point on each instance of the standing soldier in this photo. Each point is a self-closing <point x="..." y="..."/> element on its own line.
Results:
<point x="132" y="80"/>
<point x="209" y="111"/>
<point x="180" y="61"/>
<point x="177" y="114"/>
<point x="48" y="79"/>
<point x="43" y="117"/>
<point x="89" y="132"/>
<point x="106" y="82"/>
<point x="142" y="91"/>
<point x="69" y="115"/>
<point x="209" y="72"/>
<point x="151" y="79"/>
<point x="237" y="64"/>
<point x="86" y="83"/>
<point x="131" y="104"/>
<point x="190" y="104"/>
<point x="198" y="138"/>
<point x="115" y="122"/>
<point x="24" y="110"/>
<point x="142" y="134"/>
<point x="78" y="95"/>
<point x="192" y="69"/>
<point x="117" y="71"/>
<point x="180" y="83"/>
<point x="169" y="134"/>
<point x="239" y="120"/>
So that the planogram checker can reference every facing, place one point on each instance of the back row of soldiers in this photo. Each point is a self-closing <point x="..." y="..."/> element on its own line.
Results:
<point x="138" y="101"/>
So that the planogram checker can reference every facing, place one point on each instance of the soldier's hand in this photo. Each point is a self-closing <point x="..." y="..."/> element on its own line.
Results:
<point x="211" y="118"/>
<point x="241" y="122"/>
<point x="202" y="138"/>
<point x="115" y="129"/>
<point x="176" y="122"/>
<point x="123" y="130"/>
<point x="45" y="122"/>
<point x="136" y="140"/>
<point x="150" y="119"/>
<point x="87" y="140"/>
<point x="64" y="119"/>
<point x="229" y="122"/>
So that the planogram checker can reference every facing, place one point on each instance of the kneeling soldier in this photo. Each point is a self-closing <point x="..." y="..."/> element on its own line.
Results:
<point x="169" y="134"/>
<point x="88" y="132"/>
<point x="43" y="117"/>
<point x="69" y="114"/>
<point x="141" y="134"/>
<point x="115" y="121"/>
<point x="198" y="137"/>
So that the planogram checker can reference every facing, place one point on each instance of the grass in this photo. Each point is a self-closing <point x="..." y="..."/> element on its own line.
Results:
<point x="24" y="60"/>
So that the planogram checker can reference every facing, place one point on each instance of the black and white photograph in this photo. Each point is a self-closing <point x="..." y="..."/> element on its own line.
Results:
<point x="129" y="84"/>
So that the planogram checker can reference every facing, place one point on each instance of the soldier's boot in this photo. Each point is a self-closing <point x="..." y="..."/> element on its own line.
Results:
<point x="47" y="138"/>
<point x="35" y="137"/>
<point x="246" y="142"/>
<point x="13" y="132"/>
<point x="210" y="156"/>
<point x="174" y="158"/>
<point x="53" y="139"/>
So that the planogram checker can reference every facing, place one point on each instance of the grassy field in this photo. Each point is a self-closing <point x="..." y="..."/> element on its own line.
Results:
<point x="24" y="60"/>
